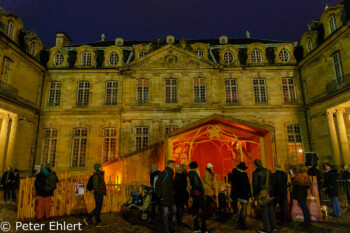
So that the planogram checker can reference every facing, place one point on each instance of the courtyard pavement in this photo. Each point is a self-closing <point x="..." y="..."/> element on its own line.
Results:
<point x="114" y="222"/>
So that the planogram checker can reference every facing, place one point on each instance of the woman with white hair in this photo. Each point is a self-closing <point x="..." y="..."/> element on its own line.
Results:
<point x="208" y="184"/>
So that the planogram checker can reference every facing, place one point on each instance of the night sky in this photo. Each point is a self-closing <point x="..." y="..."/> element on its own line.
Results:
<point x="85" y="20"/>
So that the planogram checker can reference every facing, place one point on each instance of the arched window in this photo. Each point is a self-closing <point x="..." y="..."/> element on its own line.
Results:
<point x="86" y="59"/>
<point x="142" y="53"/>
<point x="309" y="45"/>
<point x="284" y="55"/>
<point x="199" y="52"/>
<point x="113" y="58"/>
<point x="32" y="49"/>
<point x="10" y="30"/>
<point x="256" y="56"/>
<point x="58" y="59"/>
<point x="228" y="57"/>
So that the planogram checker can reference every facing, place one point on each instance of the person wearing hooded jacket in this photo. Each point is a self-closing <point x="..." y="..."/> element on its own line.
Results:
<point x="240" y="190"/>
<point x="197" y="194"/>
<point x="45" y="195"/>
<point x="330" y="187"/>
<point x="99" y="191"/>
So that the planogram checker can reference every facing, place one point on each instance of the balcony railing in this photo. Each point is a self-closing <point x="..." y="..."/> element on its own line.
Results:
<point x="8" y="90"/>
<point x="335" y="86"/>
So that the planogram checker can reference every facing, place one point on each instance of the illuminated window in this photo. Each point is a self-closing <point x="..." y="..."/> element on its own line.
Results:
<point x="199" y="90"/>
<point x="111" y="92"/>
<point x="109" y="144"/>
<point x="295" y="143"/>
<point x="228" y="57"/>
<point x="170" y="128"/>
<point x="289" y="90"/>
<point x="10" y="30"/>
<point x="309" y="45"/>
<point x="79" y="147"/>
<point x="48" y="155"/>
<point x="142" y="91"/>
<point x="6" y="70"/>
<point x="231" y="91"/>
<point x="171" y="90"/>
<point x="256" y="56"/>
<point x="86" y="59"/>
<point x="58" y="59"/>
<point x="142" y="136"/>
<point x="142" y="53"/>
<point x="32" y="49"/>
<point x="113" y="58"/>
<point x="199" y="52"/>
<point x="332" y="23"/>
<point x="338" y="67"/>
<point x="260" y="90"/>
<point x="83" y="94"/>
<point x="54" y="94"/>
<point x="284" y="55"/>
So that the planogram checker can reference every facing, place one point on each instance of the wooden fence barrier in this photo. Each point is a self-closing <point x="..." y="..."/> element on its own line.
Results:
<point x="65" y="202"/>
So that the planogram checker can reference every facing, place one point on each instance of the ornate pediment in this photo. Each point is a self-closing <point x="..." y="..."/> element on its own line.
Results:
<point x="170" y="57"/>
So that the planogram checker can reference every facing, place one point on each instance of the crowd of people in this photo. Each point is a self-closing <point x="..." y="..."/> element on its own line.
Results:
<point x="170" y="192"/>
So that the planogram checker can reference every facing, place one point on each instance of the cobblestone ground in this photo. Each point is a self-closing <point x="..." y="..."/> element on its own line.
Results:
<point x="116" y="223"/>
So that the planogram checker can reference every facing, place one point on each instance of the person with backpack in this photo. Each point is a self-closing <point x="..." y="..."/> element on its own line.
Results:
<point x="197" y="194"/>
<point x="45" y="184"/>
<point x="280" y="180"/>
<point x="6" y="183"/>
<point x="180" y="191"/>
<point x="97" y="183"/>
<point x="165" y="194"/>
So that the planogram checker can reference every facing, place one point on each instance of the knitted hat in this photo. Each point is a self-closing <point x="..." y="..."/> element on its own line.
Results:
<point x="346" y="167"/>
<point x="209" y="165"/>
<point x="193" y="165"/>
<point x="170" y="161"/>
<point x="154" y="168"/>
<point x="278" y="167"/>
<point x="97" y="166"/>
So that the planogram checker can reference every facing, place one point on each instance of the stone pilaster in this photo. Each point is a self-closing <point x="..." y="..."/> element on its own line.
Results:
<point x="333" y="134"/>
<point x="343" y="135"/>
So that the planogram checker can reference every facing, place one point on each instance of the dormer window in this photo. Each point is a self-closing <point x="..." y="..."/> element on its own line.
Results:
<point x="199" y="52"/>
<point x="10" y="30"/>
<point x="142" y="53"/>
<point x="284" y="55"/>
<point x="32" y="49"/>
<point x="223" y="39"/>
<point x="228" y="57"/>
<point x="256" y="56"/>
<point x="86" y="59"/>
<point x="170" y="39"/>
<point x="58" y="59"/>
<point x="309" y="45"/>
<point x="332" y="23"/>
<point x="113" y="58"/>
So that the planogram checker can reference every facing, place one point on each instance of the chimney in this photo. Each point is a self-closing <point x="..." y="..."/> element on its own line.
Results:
<point x="62" y="39"/>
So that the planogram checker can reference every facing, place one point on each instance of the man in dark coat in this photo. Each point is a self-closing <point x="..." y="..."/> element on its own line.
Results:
<point x="15" y="184"/>
<point x="180" y="191"/>
<point x="279" y="180"/>
<point x="99" y="191"/>
<point x="197" y="193"/>
<point x="241" y="191"/>
<point x="346" y="181"/>
<point x="6" y="183"/>
<point x="44" y="190"/>
<point x="165" y="194"/>
<point x="330" y="187"/>
<point x="233" y="199"/>
<point x="260" y="176"/>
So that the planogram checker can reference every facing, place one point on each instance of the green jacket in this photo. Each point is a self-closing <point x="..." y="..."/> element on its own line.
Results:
<point x="99" y="183"/>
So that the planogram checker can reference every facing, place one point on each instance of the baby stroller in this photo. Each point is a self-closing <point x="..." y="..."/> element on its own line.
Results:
<point x="139" y="205"/>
